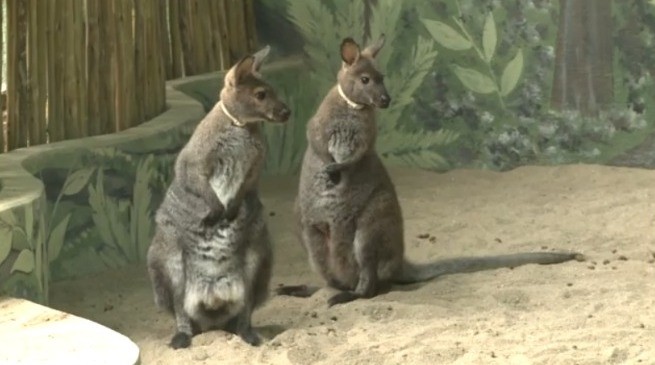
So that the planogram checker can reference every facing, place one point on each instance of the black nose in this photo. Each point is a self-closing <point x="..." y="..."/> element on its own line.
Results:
<point x="285" y="113"/>
<point x="384" y="101"/>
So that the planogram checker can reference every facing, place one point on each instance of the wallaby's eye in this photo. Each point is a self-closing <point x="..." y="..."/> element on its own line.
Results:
<point x="364" y="80"/>
<point x="260" y="95"/>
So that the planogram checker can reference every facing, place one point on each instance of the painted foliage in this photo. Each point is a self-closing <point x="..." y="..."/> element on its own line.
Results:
<point x="490" y="83"/>
<point x="97" y="213"/>
<point x="475" y="83"/>
<point x="24" y="256"/>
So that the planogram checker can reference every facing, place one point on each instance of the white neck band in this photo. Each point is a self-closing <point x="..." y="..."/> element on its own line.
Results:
<point x="351" y="103"/>
<point x="234" y="120"/>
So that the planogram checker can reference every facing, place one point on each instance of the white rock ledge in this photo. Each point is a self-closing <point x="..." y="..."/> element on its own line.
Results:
<point x="34" y="334"/>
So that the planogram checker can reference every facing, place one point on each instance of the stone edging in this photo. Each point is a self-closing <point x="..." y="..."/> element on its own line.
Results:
<point x="21" y="188"/>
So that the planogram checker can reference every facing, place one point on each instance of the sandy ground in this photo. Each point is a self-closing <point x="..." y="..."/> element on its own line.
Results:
<point x="601" y="311"/>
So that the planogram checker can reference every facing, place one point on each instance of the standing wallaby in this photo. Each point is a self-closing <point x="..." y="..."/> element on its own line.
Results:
<point x="349" y="218"/>
<point x="210" y="257"/>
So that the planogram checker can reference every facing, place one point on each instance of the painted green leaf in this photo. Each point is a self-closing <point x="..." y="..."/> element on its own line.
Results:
<point x="76" y="181"/>
<point x="489" y="37"/>
<point x="474" y="80"/>
<point x="6" y="235"/>
<point x="29" y="222"/>
<point x="140" y="217"/>
<point x="446" y="36"/>
<point x="24" y="262"/>
<point x="424" y="159"/>
<point x="56" y="240"/>
<point x="20" y="241"/>
<point x="511" y="74"/>
<point x="7" y="217"/>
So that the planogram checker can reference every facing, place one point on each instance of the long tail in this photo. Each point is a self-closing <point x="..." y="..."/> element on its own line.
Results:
<point x="414" y="273"/>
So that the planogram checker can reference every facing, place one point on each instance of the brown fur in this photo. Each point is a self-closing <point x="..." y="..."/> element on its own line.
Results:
<point x="349" y="218"/>
<point x="210" y="258"/>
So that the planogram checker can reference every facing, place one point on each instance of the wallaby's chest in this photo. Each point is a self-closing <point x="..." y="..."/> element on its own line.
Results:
<point x="238" y="161"/>
<point x="350" y="123"/>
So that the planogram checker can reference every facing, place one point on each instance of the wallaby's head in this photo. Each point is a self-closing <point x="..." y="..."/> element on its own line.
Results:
<point x="247" y="96"/>
<point x="359" y="79"/>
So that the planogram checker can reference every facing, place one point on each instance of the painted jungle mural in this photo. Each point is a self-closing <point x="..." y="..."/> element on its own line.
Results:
<point x="490" y="83"/>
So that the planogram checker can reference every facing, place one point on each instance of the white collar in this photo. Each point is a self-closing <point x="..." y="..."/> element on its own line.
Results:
<point x="351" y="103"/>
<point x="232" y="118"/>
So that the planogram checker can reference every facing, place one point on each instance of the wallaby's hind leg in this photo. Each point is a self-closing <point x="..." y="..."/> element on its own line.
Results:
<point x="366" y="256"/>
<point x="241" y="326"/>
<point x="161" y="283"/>
<point x="183" y="325"/>
<point x="244" y="325"/>
<point x="262" y="280"/>
<point x="315" y="242"/>
<point x="377" y="247"/>
<point x="161" y="289"/>
<point x="166" y="271"/>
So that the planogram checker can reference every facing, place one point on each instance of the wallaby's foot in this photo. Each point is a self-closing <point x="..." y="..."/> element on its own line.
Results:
<point x="300" y="291"/>
<point x="343" y="297"/>
<point x="180" y="340"/>
<point x="337" y="285"/>
<point x="250" y="336"/>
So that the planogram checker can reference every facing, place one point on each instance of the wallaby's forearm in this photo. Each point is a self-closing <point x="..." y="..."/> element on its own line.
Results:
<point x="231" y="188"/>
<point x="197" y="182"/>
<point x="203" y="189"/>
<point x="232" y="205"/>
<point x="346" y="152"/>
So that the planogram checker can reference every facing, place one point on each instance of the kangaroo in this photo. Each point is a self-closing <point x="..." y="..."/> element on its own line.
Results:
<point x="210" y="259"/>
<point x="347" y="211"/>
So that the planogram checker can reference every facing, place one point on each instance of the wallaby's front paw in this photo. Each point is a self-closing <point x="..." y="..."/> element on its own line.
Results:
<point x="334" y="179"/>
<point x="180" y="340"/>
<point x="333" y="171"/>
<point x="231" y="212"/>
<point x="212" y="218"/>
<point x="333" y="167"/>
<point x="250" y="337"/>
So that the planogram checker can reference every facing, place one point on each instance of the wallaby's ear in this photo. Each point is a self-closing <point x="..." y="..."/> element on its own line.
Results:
<point x="259" y="57"/>
<point x="373" y="49"/>
<point x="349" y="51"/>
<point x="240" y="70"/>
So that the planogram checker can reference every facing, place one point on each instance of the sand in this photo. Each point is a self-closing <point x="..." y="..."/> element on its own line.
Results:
<point x="601" y="311"/>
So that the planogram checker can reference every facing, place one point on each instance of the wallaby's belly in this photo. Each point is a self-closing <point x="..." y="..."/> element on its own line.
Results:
<point x="322" y="198"/>
<point x="221" y="269"/>
<point x="333" y="206"/>
<point x="181" y="209"/>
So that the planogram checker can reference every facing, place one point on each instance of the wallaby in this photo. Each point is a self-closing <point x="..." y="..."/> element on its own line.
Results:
<point x="347" y="210"/>
<point x="210" y="258"/>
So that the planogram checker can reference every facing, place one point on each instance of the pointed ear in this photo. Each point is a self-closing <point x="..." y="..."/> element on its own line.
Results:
<point x="259" y="57"/>
<point x="373" y="49"/>
<point x="240" y="70"/>
<point x="349" y="51"/>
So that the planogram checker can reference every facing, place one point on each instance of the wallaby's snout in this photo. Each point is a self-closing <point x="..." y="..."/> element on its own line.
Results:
<point x="248" y="97"/>
<point x="385" y="99"/>
<point x="271" y="107"/>
<point x="359" y="80"/>
<point x="283" y="114"/>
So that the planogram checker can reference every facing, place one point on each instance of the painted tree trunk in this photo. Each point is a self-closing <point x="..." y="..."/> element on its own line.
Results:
<point x="583" y="58"/>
